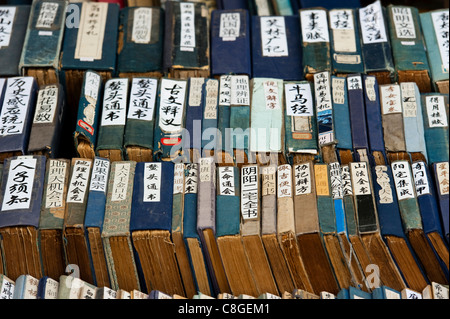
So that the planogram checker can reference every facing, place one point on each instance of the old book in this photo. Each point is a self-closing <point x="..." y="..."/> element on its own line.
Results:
<point x="341" y="114"/>
<point x="408" y="46"/>
<point x="7" y="287"/>
<point x="229" y="240"/>
<point x="435" y="291"/>
<point x="170" y="119"/>
<point x="191" y="238"/>
<point x="210" y="135"/>
<point x="413" y="121"/>
<point x="224" y="152"/>
<point x="266" y="120"/>
<point x="151" y="226"/>
<point x="307" y="229"/>
<point x="69" y="287"/>
<point x="51" y="220"/>
<point x="192" y="141"/>
<point x="230" y="42"/>
<point x="440" y="172"/>
<point x="75" y="244"/>
<point x="14" y="22"/>
<point x="435" y="124"/>
<point x="26" y="287"/>
<point x="231" y="4"/>
<point x="435" y="33"/>
<point x="105" y="293"/>
<point x="140" y="42"/>
<point x="47" y="121"/>
<point x="315" y="41"/>
<point x="346" y="54"/>
<point x="116" y="232"/>
<point x="330" y="4"/>
<point x="16" y="116"/>
<point x="370" y="247"/>
<point x="94" y="218"/>
<point x="276" y="47"/>
<point x="20" y="197"/>
<point x="391" y="228"/>
<point x="47" y="288"/>
<point x="375" y="44"/>
<point x="186" y="40"/>
<point x="91" y="46"/>
<point x="123" y="294"/>
<point x="88" y="115"/>
<point x="136" y="294"/>
<point x="269" y="236"/>
<point x="261" y="7"/>
<point x="113" y="119"/>
<point x="300" y="122"/>
<point x="156" y="294"/>
<point x="303" y="294"/>
<point x="413" y="223"/>
<point x="206" y="225"/>
<point x="43" y="41"/>
<point x="410" y="294"/>
<point x="177" y="229"/>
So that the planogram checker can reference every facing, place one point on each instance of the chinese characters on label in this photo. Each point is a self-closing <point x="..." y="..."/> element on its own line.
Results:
<point x="403" y="22"/>
<point x="420" y="178"/>
<point x="360" y="178"/>
<point x="230" y="24"/>
<point x="299" y="101"/>
<point x="226" y="181"/>
<point x="120" y="182"/>
<point x="191" y="178"/>
<point x="142" y="25"/>
<point x="240" y="90"/>
<point x="55" y="184"/>
<point x="284" y="180"/>
<point x="100" y="173"/>
<point x="152" y="182"/>
<point x="115" y="102"/>
<point x="391" y="101"/>
<point x="302" y="179"/>
<point x="7" y="15"/>
<point x="171" y="107"/>
<point x="314" y="26"/>
<point x="324" y="107"/>
<point x="187" y="33"/>
<point x="441" y="28"/>
<point x="47" y="15"/>
<point x="385" y="192"/>
<point x="443" y="177"/>
<point x="249" y="192"/>
<point x="79" y="181"/>
<point x="437" y="116"/>
<point x="46" y="105"/>
<point x="273" y="37"/>
<point x="402" y="179"/>
<point x="142" y="99"/>
<point x="372" y="23"/>
<point x="271" y="95"/>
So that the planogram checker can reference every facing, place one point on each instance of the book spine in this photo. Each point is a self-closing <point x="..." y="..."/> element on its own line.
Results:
<point x="440" y="173"/>
<point x="282" y="7"/>
<point x="341" y="113"/>
<point x="324" y="108"/>
<point x="223" y="113"/>
<point x="194" y="116"/>
<point x="190" y="201"/>
<point x="349" y="204"/>
<point x="285" y="201"/>
<point x="178" y="198"/>
<point x="210" y="117"/>
<point x="337" y="194"/>
<point x="325" y="204"/>
<point x="268" y="200"/>
<point x="206" y="199"/>
<point x="228" y="217"/>
<point x="240" y="112"/>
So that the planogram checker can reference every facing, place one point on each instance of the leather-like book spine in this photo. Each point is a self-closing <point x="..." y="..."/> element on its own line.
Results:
<point x="140" y="43"/>
<point x="170" y="119"/>
<point x="47" y="121"/>
<point x="435" y="124"/>
<point x="16" y="19"/>
<point x="20" y="100"/>
<point x="210" y="136"/>
<point x="19" y="214"/>
<point x="113" y="120"/>
<point x="300" y="121"/>
<point x="346" y="54"/>
<point x="192" y="143"/>
<point x="375" y="42"/>
<point x="51" y="221"/>
<point x="230" y="42"/>
<point x="408" y="46"/>
<point x="43" y="41"/>
<point x="88" y="115"/>
<point x="440" y="173"/>
<point x="278" y="56"/>
<point x="94" y="218"/>
<point x="315" y="39"/>
<point x="141" y="118"/>
<point x="186" y="40"/>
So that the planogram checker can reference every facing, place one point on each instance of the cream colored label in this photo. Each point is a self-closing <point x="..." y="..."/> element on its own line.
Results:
<point x="409" y="103"/>
<point x="268" y="180"/>
<point x="51" y="289"/>
<point x="31" y="287"/>
<point x="302" y="179"/>
<point x="178" y="179"/>
<point x="206" y="173"/>
<point x="142" y="25"/>
<point x="212" y="91"/>
<point x="347" y="59"/>
<point x="187" y="33"/>
<point x="336" y="180"/>
<point x="55" y="184"/>
<point x="7" y="15"/>
<point x="195" y="91"/>
<point x="390" y="99"/>
<point x="79" y="181"/>
<point x="120" y="183"/>
<point x="271" y="95"/>
<point x="230" y="24"/>
<point x="370" y="88"/>
<point x="46" y="104"/>
<point x="385" y="192"/>
<point x="284" y="181"/>
<point x="442" y="173"/>
<point x="403" y="23"/>
<point x="338" y="88"/>
<point x="92" y="31"/>
<point x="441" y="28"/>
<point x="321" y="176"/>
<point x="341" y="23"/>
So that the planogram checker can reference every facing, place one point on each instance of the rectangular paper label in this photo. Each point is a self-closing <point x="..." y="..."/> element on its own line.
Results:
<point x="409" y="103"/>
<point x="321" y="177"/>
<point x="55" y="184"/>
<point x="382" y="178"/>
<point x="195" y="91"/>
<point x="441" y="28"/>
<point x="273" y="36"/>
<point x="284" y="181"/>
<point x="347" y="188"/>
<point x="341" y="23"/>
<point x="271" y="95"/>
<point x="370" y="88"/>
<point x="19" y="185"/>
<point x="191" y="178"/>
<point x="403" y="180"/>
<point x="442" y="176"/>
<point x="354" y="82"/>
<point x="360" y="178"/>
<point x="142" y="99"/>
<point x="47" y="15"/>
<point x="436" y="113"/>
<point x="240" y="90"/>
<point x="178" y="178"/>
<point x="314" y="26"/>
<point x="302" y="179"/>
<point x="115" y="102"/>
<point x="142" y="25"/>
<point x="226" y="181"/>
<point x="403" y="23"/>
<point x="100" y="174"/>
<point x="249" y="192"/>
<point x="152" y="182"/>
<point x="7" y="15"/>
<point x="299" y="101"/>
<point x="338" y="88"/>
<point x="268" y="180"/>
<point x="324" y="107"/>
<point x="187" y="33"/>
<point x="336" y="180"/>
<point x="225" y="90"/>
<point x="46" y="105"/>
<point x="390" y="99"/>
<point x="79" y="181"/>
<point x="230" y="24"/>
<point x="171" y="107"/>
<point x="7" y="289"/>
<point x="212" y="92"/>
<point x="420" y="178"/>
<point x="372" y="23"/>
<point x="206" y="173"/>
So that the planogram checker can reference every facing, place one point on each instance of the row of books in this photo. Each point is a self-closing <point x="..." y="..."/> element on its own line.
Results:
<point x="197" y="227"/>
<point x="68" y="287"/>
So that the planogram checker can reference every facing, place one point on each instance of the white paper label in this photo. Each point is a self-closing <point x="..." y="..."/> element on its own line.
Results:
<point x="15" y="105"/>
<point x="324" y="107"/>
<point x="442" y="176"/>
<point x="273" y="36"/>
<point x="31" y="287"/>
<point x="390" y="99"/>
<point x="91" y="86"/>
<point x="360" y="178"/>
<point x="240" y="90"/>
<point x="354" y="82"/>
<point x="439" y="291"/>
<point x="441" y="28"/>
<point x="385" y="192"/>
<point x="370" y="88"/>
<point x="108" y="293"/>
<point x="249" y="192"/>
<point x="409" y="103"/>
<point x="403" y="22"/>
<point x="268" y="180"/>
<point x="262" y="7"/>
<point x="347" y="188"/>
<point x="51" y="289"/>
<point x="152" y="182"/>
<point x="230" y="24"/>
<point x="271" y="95"/>
<point x="437" y="116"/>
<point x="337" y="191"/>
<point x="314" y="26"/>
<point x="171" y="107"/>
<point x="19" y="185"/>
<point x="212" y="91"/>
<point x="55" y="184"/>
<point x="178" y="178"/>
<point x="87" y="291"/>
<point x="341" y="19"/>
<point x="226" y="181"/>
<point x="100" y="174"/>
<point x="78" y="181"/>
<point x="142" y="25"/>
<point x="92" y="31"/>
<point x="284" y="181"/>
<point x="206" y="173"/>
<point x="302" y="179"/>
<point x="47" y="15"/>
<point x="372" y="23"/>
<point x="115" y="102"/>
<point x="341" y="24"/>
<point x="46" y="105"/>
<point x="195" y="91"/>
<point x="299" y="101"/>
<point x="338" y="88"/>
<point x="411" y="294"/>
<point x="225" y="90"/>
<point x="187" y="33"/>
<point x="420" y="178"/>
<point x="7" y="289"/>
<point x="142" y="99"/>
<point x="191" y="178"/>
<point x="402" y="179"/>
<point x="7" y="15"/>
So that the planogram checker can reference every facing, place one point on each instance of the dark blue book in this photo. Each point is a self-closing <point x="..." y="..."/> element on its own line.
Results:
<point x="47" y="288"/>
<point x="330" y="4"/>
<point x="193" y="120"/>
<point x="231" y="4"/>
<point x="210" y="117"/>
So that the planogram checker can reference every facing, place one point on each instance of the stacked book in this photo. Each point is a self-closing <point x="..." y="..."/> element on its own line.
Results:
<point x="223" y="149"/>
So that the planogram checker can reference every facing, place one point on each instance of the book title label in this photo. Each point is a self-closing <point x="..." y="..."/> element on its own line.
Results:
<point x="385" y="192"/>
<point x="19" y="185"/>
<point x="225" y="90"/>
<point x="403" y="23"/>
<point x="372" y="23"/>
<point x="403" y="180"/>
<point x="191" y="178"/>
<point x="7" y="289"/>
<point x="142" y="99"/>
<point x="249" y="192"/>
<point x="120" y="182"/>
<point x="178" y="178"/>
<point x="370" y="88"/>
<point x="212" y="92"/>
<point x="240" y="90"/>
<point x="442" y="174"/>
<point x="420" y="178"/>
<point x="142" y="25"/>
<point x="437" y="116"/>
<point x="47" y="15"/>
<point x="46" y="105"/>
<point x="230" y="24"/>
<point x="299" y="101"/>
<point x="347" y="188"/>
<point x="171" y="107"/>
<point x="15" y="105"/>
<point x="226" y="181"/>
<point x="7" y="15"/>
<point x="441" y="28"/>
<point x="284" y="180"/>
<point x="99" y="177"/>
<point x="79" y="181"/>
<point x="360" y="178"/>
<point x="342" y="26"/>
<point x="338" y="88"/>
<point x="302" y="179"/>
<point x="314" y="26"/>
<point x="206" y="169"/>
<point x="324" y="107"/>
<point x="271" y="95"/>
<point x="187" y="33"/>
<point x="273" y="37"/>
<point x="409" y="102"/>
<point x="268" y="180"/>
<point x="152" y="182"/>
<point x="391" y="101"/>
<point x="56" y="180"/>
<point x="115" y="102"/>
<point x="321" y="177"/>
<point x="337" y="191"/>
<point x="195" y="91"/>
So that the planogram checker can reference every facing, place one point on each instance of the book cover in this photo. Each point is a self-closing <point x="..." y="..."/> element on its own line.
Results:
<point x="7" y="287"/>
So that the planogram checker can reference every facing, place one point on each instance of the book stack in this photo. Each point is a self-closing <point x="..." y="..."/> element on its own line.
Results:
<point x="260" y="149"/>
